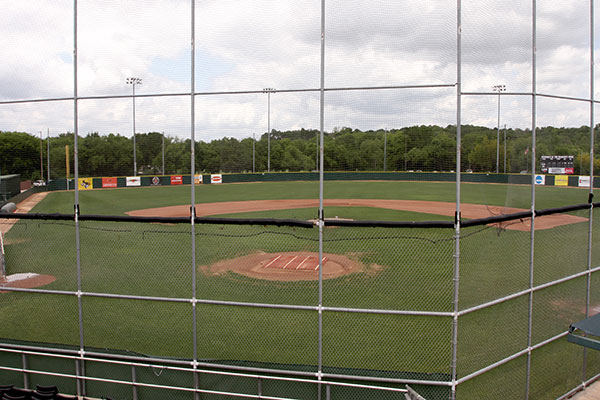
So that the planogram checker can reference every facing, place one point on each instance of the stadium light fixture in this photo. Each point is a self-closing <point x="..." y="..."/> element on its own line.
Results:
<point x="134" y="81"/>
<point x="268" y="91"/>
<point x="499" y="89"/>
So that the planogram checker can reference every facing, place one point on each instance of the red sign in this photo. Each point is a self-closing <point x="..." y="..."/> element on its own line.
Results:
<point x="216" y="178"/>
<point x="109" y="182"/>
<point x="569" y="171"/>
<point x="176" y="180"/>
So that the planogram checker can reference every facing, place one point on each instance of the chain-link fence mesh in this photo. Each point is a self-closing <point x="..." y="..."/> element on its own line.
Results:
<point x="280" y="198"/>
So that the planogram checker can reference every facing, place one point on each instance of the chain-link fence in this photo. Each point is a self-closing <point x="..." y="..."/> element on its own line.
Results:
<point x="298" y="199"/>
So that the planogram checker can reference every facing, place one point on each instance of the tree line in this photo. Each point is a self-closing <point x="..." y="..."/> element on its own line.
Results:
<point x="415" y="148"/>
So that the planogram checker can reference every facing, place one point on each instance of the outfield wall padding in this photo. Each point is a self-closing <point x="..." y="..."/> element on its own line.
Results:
<point x="165" y="180"/>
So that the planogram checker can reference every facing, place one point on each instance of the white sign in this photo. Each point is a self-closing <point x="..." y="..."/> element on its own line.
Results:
<point x="556" y="170"/>
<point x="540" y="179"/>
<point x="584" y="181"/>
<point x="133" y="181"/>
<point x="216" y="178"/>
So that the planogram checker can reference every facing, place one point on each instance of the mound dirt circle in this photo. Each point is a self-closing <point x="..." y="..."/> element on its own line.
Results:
<point x="287" y="266"/>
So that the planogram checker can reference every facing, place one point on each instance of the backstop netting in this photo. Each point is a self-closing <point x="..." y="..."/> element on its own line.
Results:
<point x="299" y="199"/>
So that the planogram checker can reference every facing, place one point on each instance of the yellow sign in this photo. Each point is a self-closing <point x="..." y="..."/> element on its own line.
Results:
<point x="85" y="184"/>
<point x="561" y="180"/>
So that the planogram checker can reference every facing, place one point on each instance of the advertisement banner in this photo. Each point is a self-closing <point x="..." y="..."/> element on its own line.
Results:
<point x="133" y="181"/>
<point x="109" y="182"/>
<point x="155" y="181"/>
<point x="176" y="179"/>
<point x="216" y="178"/>
<point x="584" y="181"/>
<point x="85" y="184"/>
<point x="197" y="179"/>
<point x="540" y="179"/>
<point x="561" y="180"/>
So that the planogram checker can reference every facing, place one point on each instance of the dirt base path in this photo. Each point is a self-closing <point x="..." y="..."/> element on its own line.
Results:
<point x="23" y="207"/>
<point x="470" y="211"/>
<point x="25" y="280"/>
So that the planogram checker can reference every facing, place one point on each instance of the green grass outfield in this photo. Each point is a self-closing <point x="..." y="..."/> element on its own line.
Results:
<point x="155" y="260"/>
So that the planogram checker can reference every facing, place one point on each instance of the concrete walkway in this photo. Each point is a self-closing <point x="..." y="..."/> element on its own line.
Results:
<point x="592" y="392"/>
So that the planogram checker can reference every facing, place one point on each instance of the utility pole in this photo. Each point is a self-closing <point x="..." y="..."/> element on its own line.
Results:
<point x="163" y="152"/>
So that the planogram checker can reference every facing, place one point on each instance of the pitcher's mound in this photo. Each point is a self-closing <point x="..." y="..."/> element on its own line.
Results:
<point x="289" y="266"/>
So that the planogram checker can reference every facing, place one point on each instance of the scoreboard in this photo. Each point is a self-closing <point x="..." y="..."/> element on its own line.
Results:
<point x="557" y="165"/>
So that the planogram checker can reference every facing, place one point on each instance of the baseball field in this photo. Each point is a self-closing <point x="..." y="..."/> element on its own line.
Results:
<point x="364" y="268"/>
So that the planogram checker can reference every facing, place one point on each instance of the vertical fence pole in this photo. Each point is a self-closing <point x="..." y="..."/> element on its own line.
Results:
<point x="133" y="381"/>
<point x="533" y="161"/>
<point x="25" y="374"/>
<point x="321" y="216"/>
<point x="193" y="192"/>
<point x="591" y="193"/>
<point x="81" y="383"/>
<point x="453" y="365"/>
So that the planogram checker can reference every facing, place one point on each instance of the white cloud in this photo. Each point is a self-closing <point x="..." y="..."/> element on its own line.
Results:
<point x="252" y="44"/>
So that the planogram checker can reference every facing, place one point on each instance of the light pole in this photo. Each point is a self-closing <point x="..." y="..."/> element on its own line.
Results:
<point x="385" y="150"/>
<point x="41" y="157"/>
<point x="134" y="81"/>
<point x="498" y="88"/>
<point x="268" y="92"/>
<point x="504" y="148"/>
<point x="48" y="154"/>
<point x="253" y="152"/>
<point x="163" y="152"/>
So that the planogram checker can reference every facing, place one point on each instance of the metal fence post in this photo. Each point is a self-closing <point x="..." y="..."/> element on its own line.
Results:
<point x="454" y="343"/>
<point x="321" y="216"/>
<point x="591" y="194"/>
<point x="25" y="374"/>
<point x="532" y="229"/>
<point x="133" y="381"/>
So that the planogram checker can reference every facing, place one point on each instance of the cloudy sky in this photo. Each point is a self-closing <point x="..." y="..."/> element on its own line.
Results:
<point x="247" y="45"/>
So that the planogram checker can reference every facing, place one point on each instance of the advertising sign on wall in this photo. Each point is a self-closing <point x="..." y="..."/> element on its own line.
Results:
<point x="197" y="179"/>
<point x="85" y="184"/>
<point x="540" y="179"/>
<point x="133" y="181"/>
<point x="109" y="182"/>
<point x="584" y="181"/>
<point x="561" y="180"/>
<point x="176" y="179"/>
<point x="216" y="178"/>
